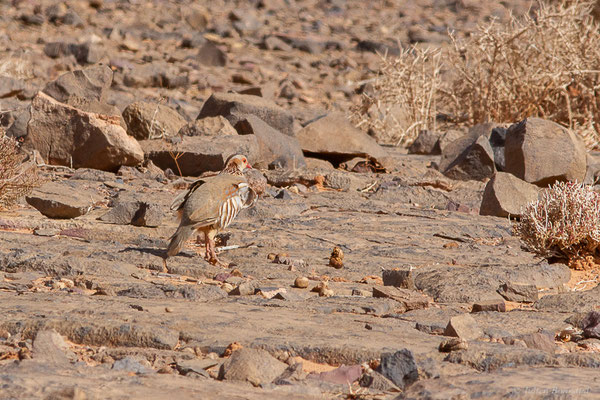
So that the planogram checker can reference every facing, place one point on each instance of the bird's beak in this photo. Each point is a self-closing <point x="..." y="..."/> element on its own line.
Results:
<point x="248" y="166"/>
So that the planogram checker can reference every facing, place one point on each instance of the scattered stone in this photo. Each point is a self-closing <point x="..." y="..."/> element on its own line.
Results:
<point x="301" y="282"/>
<point x="535" y="340"/>
<point x="244" y="289"/>
<point x="463" y="326"/>
<point x="375" y="381"/>
<point x="427" y="142"/>
<point x="291" y="296"/>
<point x="489" y="306"/>
<point x="65" y="199"/>
<point x="255" y="366"/>
<point x="335" y="139"/>
<point x="209" y="126"/>
<point x="196" y="155"/>
<point x="591" y="325"/>
<point x="210" y="54"/>
<point x="467" y="158"/>
<point x="50" y="347"/>
<point x="399" y="367"/>
<point x="505" y="195"/>
<point x="410" y="299"/>
<point x="402" y="278"/>
<point x="453" y="344"/>
<point x="137" y="213"/>
<point x="130" y="364"/>
<point x="269" y="292"/>
<point x="195" y="367"/>
<point x="68" y="136"/>
<point x="147" y="120"/>
<point x="336" y="260"/>
<point x="531" y="148"/>
<point x="276" y="149"/>
<point x="520" y="293"/>
<point x="235" y="107"/>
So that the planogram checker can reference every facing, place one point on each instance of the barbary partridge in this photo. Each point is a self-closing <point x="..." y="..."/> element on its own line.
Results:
<point x="211" y="204"/>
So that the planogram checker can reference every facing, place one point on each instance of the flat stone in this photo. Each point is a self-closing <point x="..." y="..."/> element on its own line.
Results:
<point x="255" y="366"/>
<point x="63" y="199"/>
<point x="519" y="292"/>
<point x="505" y="195"/>
<point x="50" y="347"/>
<point x="399" y="277"/>
<point x="489" y="306"/>
<point x="463" y="326"/>
<point x="410" y="299"/>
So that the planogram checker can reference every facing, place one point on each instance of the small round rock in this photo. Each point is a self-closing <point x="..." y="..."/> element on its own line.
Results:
<point x="301" y="282"/>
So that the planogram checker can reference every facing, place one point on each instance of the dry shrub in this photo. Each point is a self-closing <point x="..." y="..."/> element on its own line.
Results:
<point x="563" y="223"/>
<point x="546" y="64"/>
<point x="404" y="97"/>
<point x="16" y="178"/>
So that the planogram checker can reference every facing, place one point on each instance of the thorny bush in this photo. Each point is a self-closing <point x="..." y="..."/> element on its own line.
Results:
<point x="563" y="223"/>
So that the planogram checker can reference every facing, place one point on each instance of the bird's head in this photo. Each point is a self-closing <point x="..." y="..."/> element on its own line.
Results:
<point x="237" y="164"/>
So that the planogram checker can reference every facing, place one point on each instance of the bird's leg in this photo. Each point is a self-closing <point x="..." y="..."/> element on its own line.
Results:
<point x="207" y="255"/>
<point x="214" y="260"/>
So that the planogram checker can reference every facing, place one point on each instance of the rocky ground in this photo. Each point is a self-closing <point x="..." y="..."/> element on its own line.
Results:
<point x="430" y="300"/>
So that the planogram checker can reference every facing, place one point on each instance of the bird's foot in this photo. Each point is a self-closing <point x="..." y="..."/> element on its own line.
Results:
<point x="216" y="261"/>
<point x="165" y="269"/>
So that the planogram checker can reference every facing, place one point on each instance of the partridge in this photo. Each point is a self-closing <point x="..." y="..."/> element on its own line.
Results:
<point x="211" y="204"/>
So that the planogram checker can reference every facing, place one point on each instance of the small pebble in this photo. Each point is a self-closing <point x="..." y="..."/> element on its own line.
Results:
<point x="301" y="282"/>
<point x="168" y="309"/>
<point x="228" y="287"/>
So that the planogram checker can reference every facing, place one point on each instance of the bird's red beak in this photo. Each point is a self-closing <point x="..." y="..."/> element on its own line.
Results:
<point x="248" y="166"/>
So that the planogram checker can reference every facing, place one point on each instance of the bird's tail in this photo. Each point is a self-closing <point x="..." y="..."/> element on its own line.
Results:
<point x="178" y="239"/>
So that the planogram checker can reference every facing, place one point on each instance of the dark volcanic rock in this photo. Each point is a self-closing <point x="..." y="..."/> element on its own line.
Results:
<point x="578" y="301"/>
<point x="531" y="148"/>
<point x="68" y="136"/>
<point x="63" y="200"/>
<point x="518" y="292"/>
<point x="402" y="278"/>
<point x="505" y="195"/>
<point x="428" y="142"/>
<point x="147" y="120"/>
<point x="138" y="213"/>
<point x="466" y="159"/>
<point x="198" y="154"/>
<point x="463" y="326"/>
<point x="275" y="147"/>
<point x="255" y="366"/>
<point x="235" y="107"/>
<point x="399" y="367"/>
<point x="209" y="126"/>
<point x="333" y="137"/>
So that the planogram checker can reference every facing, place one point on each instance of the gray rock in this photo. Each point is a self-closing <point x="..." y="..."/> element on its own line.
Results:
<point x="531" y="148"/>
<point x="578" y="301"/>
<point x="63" y="199"/>
<point x="147" y="120"/>
<point x="410" y="299"/>
<point x="209" y="126"/>
<point x="399" y="277"/>
<point x="490" y="305"/>
<point x="10" y="87"/>
<point x="427" y="142"/>
<point x="334" y="138"/>
<point x="518" y="292"/>
<point x="255" y="366"/>
<point x="466" y="159"/>
<point x="198" y="155"/>
<point x="591" y="325"/>
<point x="498" y="141"/>
<point x="235" y="107"/>
<point x="376" y="381"/>
<point x="210" y="54"/>
<point x="130" y="364"/>
<point x="463" y="326"/>
<point x="137" y="213"/>
<point x="505" y="195"/>
<point x="50" y="347"/>
<point x="449" y="137"/>
<point x="399" y="367"/>
<point x="536" y="340"/>
<point x="275" y="147"/>
<point x="68" y="136"/>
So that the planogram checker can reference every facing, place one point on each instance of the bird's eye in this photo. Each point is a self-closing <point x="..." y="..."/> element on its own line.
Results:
<point x="244" y="160"/>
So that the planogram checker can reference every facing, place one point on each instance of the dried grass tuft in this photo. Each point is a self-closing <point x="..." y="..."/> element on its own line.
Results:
<point x="16" y="178"/>
<point x="546" y="64"/>
<point x="563" y="223"/>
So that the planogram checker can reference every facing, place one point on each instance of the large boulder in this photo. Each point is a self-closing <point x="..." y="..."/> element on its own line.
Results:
<point x="333" y="137"/>
<point x="198" y="154"/>
<point x="235" y="107"/>
<point x="65" y="135"/>
<point x="86" y="90"/>
<point x="505" y="195"/>
<point x="542" y="152"/>
<point x="147" y="120"/>
<point x="468" y="158"/>
<point x="275" y="147"/>
<point x="67" y="199"/>
<point x="255" y="366"/>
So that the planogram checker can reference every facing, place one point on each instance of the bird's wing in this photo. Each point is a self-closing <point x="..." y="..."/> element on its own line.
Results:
<point x="182" y="197"/>
<point x="217" y="201"/>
